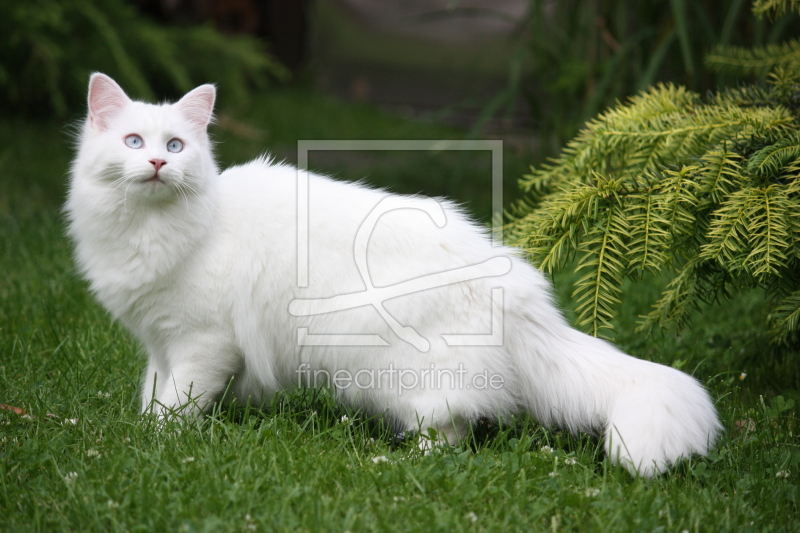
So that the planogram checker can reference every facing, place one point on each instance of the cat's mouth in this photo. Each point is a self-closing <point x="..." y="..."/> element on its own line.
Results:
<point x="155" y="178"/>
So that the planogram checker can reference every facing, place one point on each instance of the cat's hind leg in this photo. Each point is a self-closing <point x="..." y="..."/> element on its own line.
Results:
<point x="448" y="415"/>
<point x="433" y="432"/>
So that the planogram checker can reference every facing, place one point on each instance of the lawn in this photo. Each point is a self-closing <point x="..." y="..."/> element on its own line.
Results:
<point x="81" y="457"/>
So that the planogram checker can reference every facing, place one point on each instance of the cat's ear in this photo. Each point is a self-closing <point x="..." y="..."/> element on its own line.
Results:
<point x="106" y="100"/>
<point x="198" y="106"/>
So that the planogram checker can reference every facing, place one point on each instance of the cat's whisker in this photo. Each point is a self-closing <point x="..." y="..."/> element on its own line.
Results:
<point x="190" y="186"/>
<point x="205" y="201"/>
<point x="113" y="172"/>
<point x="130" y="178"/>
<point x="125" y="199"/>
<point x="117" y="183"/>
<point x="191" y="183"/>
<point x="182" y="192"/>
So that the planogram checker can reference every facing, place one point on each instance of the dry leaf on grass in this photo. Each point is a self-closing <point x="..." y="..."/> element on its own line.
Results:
<point x="15" y="410"/>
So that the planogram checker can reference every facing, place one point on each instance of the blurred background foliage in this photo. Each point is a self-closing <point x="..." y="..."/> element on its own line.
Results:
<point x="559" y="64"/>
<point x="48" y="48"/>
<point x="584" y="55"/>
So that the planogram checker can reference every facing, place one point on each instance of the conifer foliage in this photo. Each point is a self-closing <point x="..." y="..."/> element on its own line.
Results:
<point x="48" y="48"/>
<point x="706" y="188"/>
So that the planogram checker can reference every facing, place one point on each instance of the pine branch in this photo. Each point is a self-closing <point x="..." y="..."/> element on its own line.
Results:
<point x="784" y="320"/>
<point x="678" y="201"/>
<point x="773" y="159"/>
<point x="649" y="230"/>
<point x="755" y="61"/>
<point x="668" y="181"/>
<point x="604" y="260"/>
<point x="729" y="231"/>
<point x="677" y="300"/>
<point x="555" y="237"/>
<point x="775" y="7"/>
<point x="769" y="233"/>
<point x="665" y="125"/>
<point x="719" y="173"/>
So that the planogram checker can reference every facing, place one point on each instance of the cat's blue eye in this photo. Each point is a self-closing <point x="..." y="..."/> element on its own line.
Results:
<point x="175" y="146"/>
<point x="134" y="141"/>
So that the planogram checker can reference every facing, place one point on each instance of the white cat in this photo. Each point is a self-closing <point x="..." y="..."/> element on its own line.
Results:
<point x="409" y="309"/>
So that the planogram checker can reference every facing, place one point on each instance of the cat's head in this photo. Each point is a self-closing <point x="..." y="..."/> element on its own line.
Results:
<point x="146" y="151"/>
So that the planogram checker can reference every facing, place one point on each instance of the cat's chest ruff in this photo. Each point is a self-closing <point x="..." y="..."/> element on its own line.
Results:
<point x="169" y="305"/>
<point x="130" y="291"/>
<point x="131" y="276"/>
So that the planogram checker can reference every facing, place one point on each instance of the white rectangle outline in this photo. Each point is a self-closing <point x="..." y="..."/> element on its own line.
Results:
<point x="304" y="146"/>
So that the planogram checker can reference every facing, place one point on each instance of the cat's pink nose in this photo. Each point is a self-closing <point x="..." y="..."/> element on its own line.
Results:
<point x="158" y="163"/>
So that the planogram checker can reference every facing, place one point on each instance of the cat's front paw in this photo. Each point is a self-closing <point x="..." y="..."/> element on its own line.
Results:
<point x="654" y="426"/>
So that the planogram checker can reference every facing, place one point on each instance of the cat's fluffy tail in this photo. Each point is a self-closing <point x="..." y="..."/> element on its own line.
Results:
<point x="649" y="414"/>
<point x="653" y="424"/>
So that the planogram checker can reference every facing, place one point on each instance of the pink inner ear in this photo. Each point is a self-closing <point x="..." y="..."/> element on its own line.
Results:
<point x="198" y="106"/>
<point x="106" y="100"/>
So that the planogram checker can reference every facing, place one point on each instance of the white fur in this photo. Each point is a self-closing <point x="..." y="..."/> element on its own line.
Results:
<point x="201" y="267"/>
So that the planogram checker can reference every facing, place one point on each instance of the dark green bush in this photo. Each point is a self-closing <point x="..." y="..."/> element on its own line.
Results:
<point x="48" y="48"/>
<point x="707" y="189"/>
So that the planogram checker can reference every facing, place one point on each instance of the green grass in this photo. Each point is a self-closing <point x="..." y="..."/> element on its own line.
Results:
<point x="295" y="465"/>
